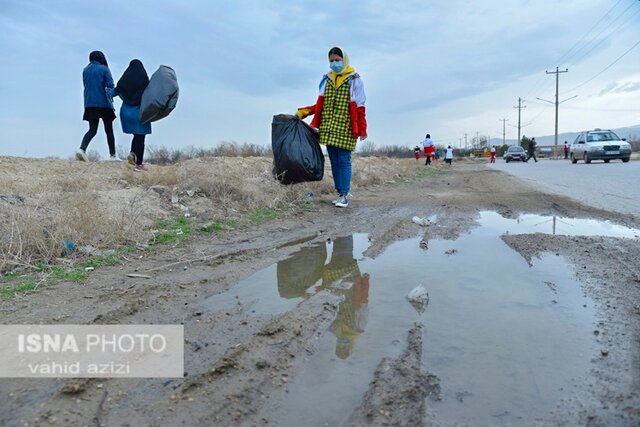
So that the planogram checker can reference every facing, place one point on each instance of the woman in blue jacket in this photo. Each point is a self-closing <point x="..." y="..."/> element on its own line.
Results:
<point x="130" y="87"/>
<point x="97" y="79"/>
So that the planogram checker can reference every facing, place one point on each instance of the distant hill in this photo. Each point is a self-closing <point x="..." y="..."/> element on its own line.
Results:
<point x="631" y="133"/>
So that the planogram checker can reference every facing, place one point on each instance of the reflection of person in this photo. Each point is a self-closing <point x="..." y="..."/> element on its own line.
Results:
<point x="493" y="154"/>
<point x="340" y="276"/>
<point x="301" y="271"/>
<point x="428" y="149"/>
<point x="96" y="78"/>
<point x="566" y="150"/>
<point x="130" y="87"/>
<point x="531" y="150"/>
<point x="339" y="115"/>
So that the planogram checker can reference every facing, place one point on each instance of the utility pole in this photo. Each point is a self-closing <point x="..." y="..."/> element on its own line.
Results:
<point x="519" y="107"/>
<point x="555" y="138"/>
<point x="465" y="141"/>
<point x="504" y="121"/>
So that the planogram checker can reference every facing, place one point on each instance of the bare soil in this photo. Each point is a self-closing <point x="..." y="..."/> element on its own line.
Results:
<point x="238" y="365"/>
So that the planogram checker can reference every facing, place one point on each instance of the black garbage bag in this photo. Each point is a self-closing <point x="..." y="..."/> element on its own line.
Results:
<point x="297" y="156"/>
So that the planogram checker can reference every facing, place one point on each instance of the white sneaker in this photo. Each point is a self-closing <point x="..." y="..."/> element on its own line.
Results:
<point x="342" y="202"/>
<point x="333" y="202"/>
<point x="82" y="155"/>
<point x="114" y="159"/>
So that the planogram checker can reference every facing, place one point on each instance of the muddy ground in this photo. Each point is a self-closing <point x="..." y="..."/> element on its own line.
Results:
<point x="238" y="365"/>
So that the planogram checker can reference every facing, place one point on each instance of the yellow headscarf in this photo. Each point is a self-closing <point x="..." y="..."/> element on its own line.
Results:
<point x="347" y="70"/>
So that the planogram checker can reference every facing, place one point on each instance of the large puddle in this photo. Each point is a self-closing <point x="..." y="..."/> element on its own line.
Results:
<point x="507" y="340"/>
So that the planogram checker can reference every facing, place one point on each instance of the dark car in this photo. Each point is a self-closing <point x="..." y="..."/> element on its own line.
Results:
<point x="515" y="152"/>
<point x="599" y="144"/>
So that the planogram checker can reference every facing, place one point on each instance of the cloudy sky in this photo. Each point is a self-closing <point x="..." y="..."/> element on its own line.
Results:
<point x="446" y="67"/>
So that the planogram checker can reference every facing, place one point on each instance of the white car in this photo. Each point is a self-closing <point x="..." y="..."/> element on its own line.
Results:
<point x="599" y="144"/>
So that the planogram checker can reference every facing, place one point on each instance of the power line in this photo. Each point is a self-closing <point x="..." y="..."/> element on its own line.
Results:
<point x="605" y="38"/>
<point x="605" y="68"/>
<point x="601" y="31"/>
<point x="593" y="27"/>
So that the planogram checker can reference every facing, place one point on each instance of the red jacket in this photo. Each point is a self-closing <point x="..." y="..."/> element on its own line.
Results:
<point x="357" y="115"/>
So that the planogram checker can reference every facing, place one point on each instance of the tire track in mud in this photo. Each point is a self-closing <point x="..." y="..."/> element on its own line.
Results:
<point x="399" y="390"/>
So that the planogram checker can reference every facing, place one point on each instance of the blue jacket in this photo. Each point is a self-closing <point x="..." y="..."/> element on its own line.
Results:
<point x="130" y="120"/>
<point x="97" y="78"/>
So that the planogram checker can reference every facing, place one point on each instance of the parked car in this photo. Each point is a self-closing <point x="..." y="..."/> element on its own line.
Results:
<point x="599" y="144"/>
<point x="515" y="152"/>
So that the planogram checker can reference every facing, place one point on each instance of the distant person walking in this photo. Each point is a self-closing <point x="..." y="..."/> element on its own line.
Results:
<point x="566" y="150"/>
<point x="448" y="155"/>
<point x="130" y="87"/>
<point x="429" y="149"/>
<point x="340" y="116"/>
<point x="416" y="152"/>
<point x="531" y="150"/>
<point x="493" y="154"/>
<point x="96" y="78"/>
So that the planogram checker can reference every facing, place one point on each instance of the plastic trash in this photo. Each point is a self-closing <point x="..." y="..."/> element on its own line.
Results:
<point x="421" y="221"/>
<point x="419" y="298"/>
<point x="160" y="96"/>
<point x="297" y="156"/>
<point x="69" y="246"/>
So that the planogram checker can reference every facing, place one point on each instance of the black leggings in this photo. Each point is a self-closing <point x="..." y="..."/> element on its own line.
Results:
<point x="93" y="130"/>
<point x="137" y="146"/>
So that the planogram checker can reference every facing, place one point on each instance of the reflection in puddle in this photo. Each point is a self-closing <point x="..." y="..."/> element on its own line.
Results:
<point x="307" y="272"/>
<point x="556" y="225"/>
<point x="304" y="274"/>
<point x="507" y="340"/>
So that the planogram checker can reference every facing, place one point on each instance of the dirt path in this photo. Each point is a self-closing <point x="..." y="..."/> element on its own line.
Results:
<point x="238" y="364"/>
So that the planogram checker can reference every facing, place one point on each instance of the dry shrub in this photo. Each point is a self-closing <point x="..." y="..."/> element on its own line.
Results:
<point x="233" y="185"/>
<point x="105" y="204"/>
<point x="26" y="237"/>
<point x="156" y="175"/>
<point x="38" y="233"/>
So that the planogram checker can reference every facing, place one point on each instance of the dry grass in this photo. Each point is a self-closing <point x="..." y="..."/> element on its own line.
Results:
<point x="105" y="204"/>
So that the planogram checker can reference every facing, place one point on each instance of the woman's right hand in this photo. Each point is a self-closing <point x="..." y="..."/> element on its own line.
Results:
<point x="303" y="112"/>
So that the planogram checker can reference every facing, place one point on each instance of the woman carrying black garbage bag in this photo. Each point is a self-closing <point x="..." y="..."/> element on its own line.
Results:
<point x="339" y="114"/>
<point x="130" y="87"/>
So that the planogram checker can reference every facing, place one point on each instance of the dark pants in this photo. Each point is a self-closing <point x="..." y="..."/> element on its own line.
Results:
<point x="428" y="162"/>
<point x="530" y="156"/>
<point x="137" y="146"/>
<point x="93" y="130"/>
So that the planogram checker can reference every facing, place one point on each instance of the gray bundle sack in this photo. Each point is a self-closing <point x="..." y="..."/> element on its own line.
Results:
<point x="161" y="95"/>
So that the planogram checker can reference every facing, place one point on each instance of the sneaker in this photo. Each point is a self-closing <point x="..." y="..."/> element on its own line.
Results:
<point x="342" y="202"/>
<point x="140" y="168"/>
<point x="131" y="158"/>
<point x="114" y="159"/>
<point x="81" y="155"/>
<point x="333" y="202"/>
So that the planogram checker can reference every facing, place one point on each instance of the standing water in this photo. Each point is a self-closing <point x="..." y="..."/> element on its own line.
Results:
<point x="506" y="339"/>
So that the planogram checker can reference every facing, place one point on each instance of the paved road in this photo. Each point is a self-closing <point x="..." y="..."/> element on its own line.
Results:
<point x="614" y="186"/>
